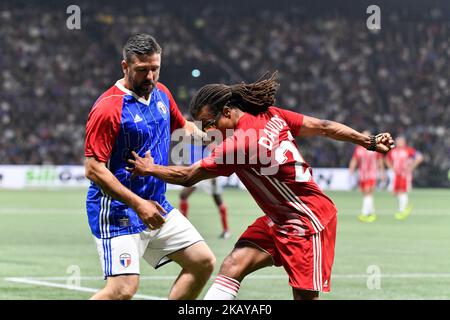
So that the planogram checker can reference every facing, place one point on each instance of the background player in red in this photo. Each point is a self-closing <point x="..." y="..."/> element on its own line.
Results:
<point x="403" y="161"/>
<point x="299" y="227"/>
<point x="369" y="165"/>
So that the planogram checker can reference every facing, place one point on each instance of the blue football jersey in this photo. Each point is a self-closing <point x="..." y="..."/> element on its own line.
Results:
<point x="121" y="122"/>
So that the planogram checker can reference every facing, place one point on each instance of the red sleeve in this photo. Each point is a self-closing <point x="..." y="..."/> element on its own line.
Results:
<point x="293" y="119"/>
<point x="177" y="120"/>
<point x="103" y="127"/>
<point x="412" y="152"/>
<point x="223" y="159"/>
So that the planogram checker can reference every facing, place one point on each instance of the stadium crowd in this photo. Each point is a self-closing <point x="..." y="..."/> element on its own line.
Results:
<point x="330" y="66"/>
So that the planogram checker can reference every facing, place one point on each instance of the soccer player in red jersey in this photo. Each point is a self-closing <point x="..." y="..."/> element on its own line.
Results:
<point x="299" y="226"/>
<point x="403" y="161"/>
<point x="369" y="164"/>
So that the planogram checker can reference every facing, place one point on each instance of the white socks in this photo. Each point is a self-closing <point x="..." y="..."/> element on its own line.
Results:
<point x="402" y="201"/>
<point x="367" y="207"/>
<point x="223" y="288"/>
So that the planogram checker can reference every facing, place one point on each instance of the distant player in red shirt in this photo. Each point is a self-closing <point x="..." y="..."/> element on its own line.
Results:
<point x="369" y="165"/>
<point x="298" y="229"/>
<point x="403" y="161"/>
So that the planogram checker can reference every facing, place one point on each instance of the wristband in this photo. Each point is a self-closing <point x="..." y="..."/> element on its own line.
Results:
<point x="373" y="143"/>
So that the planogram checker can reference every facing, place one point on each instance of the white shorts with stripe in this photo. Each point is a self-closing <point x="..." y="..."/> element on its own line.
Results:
<point x="121" y="255"/>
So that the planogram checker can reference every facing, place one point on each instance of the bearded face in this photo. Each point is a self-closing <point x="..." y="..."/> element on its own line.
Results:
<point x="142" y="73"/>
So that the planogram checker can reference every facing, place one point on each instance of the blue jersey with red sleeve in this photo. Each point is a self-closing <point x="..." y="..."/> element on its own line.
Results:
<point x="121" y="122"/>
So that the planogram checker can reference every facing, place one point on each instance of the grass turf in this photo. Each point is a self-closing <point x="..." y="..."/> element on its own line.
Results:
<point x="45" y="232"/>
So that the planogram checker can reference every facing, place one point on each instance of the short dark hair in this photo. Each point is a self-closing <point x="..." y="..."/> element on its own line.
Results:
<point x="140" y="44"/>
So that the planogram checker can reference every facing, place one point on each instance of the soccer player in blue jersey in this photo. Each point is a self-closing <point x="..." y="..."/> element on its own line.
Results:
<point x="131" y="218"/>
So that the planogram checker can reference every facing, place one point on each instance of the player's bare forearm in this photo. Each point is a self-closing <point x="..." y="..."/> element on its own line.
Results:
<point x="338" y="131"/>
<point x="148" y="210"/>
<point x="334" y="130"/>
<point x="185" y="176"/>
<point x="97" y="172"/>
<point x="172" y="174"/>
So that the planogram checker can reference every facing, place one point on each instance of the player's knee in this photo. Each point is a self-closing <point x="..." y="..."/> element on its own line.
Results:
<point x="208" y="263"/>
<point x="126" y="294"/>
<point x="125" y="289"/>
<point x="217" y="199"/>
<point x="231" y="267"/>
<point x="203" y="264"/>
<point x="305" y="294"/>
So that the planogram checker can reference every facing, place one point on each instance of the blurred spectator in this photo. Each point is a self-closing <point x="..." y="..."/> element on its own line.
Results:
<point x="330" y="65"/>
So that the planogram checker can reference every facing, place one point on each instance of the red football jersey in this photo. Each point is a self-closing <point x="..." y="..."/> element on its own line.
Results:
<point x="401" y="159"/>
<point x="265" y="156"/>
<point x="367" y="163"/>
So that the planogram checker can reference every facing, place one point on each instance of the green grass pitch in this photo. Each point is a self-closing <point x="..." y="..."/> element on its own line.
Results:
<point x="45" y="238"/>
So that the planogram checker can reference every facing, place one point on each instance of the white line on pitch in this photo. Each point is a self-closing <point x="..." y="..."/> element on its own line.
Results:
<point x="437" y="211"/>
<point x="69" y="287"/>
<point x="337" y="276"/>
<point x="40" y="211"/>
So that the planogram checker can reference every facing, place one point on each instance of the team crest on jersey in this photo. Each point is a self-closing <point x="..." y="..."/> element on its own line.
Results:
<point x="162" y="108"/>
<point x="125" y="260"/>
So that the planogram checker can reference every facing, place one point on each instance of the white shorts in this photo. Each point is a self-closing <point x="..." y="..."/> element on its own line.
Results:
<point x="121" y="255"/>
<point x="210" y="186"/>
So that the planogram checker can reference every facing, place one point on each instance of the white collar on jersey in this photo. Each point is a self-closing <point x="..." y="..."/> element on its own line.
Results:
<point x="141" y="100"/>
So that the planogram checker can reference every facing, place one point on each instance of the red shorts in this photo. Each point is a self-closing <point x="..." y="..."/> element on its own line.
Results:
<point x="307" y="259"/>
<point x="402" y="183"/>
<point x="367" y="184"/>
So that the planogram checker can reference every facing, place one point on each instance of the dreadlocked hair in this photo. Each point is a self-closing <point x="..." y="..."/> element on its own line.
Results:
<point x="253" y="98"/>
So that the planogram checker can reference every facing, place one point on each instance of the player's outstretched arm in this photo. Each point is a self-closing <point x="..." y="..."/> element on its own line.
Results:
<point x="148" y="211"/>
<point x="316" y="127"/>
<point x="185" y="176"/>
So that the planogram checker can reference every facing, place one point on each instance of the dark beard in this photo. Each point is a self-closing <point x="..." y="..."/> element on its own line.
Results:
<point x="141" y="89"/>
<point x="144" y="89"/>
